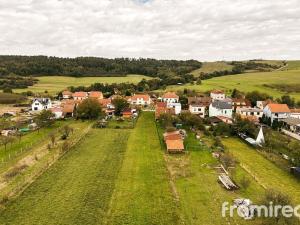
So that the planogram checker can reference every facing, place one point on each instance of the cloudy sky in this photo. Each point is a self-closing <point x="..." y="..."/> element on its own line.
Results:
<point x="178" y="29"/>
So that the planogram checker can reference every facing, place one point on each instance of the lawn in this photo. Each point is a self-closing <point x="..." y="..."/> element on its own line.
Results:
<point x="267" y="173"/>
<point x="75" y="190"/>
<point x="143" y="194"/>
<point x="54" y="84"/>
<point x="248" y="82"/>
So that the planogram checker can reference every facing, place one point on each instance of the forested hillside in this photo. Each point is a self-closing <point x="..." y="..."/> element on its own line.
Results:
<point x="93" y="66"/>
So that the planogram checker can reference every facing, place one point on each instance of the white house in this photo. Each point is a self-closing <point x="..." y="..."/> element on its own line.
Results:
<point x="140" y="99"/>
<point x="40" y="104"/>
<point x="217" y="95"/>
<point x="176" y="106"/>
<point x="170" y="97"/>
<point x="67" y="94"/>
<point x="220" y="108"/>
<point x="58" y="112"/>
<point x="245" y="112"/>
<point x="197" y="109"/>
<point x="80" y="95"/>
<point x="277" y="111"/>
<point x="295" y="113"/>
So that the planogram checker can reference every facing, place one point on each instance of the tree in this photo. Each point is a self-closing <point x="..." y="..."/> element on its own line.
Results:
<point x="66" y="130"/>
<point x="255" y="96"/>
<point x="237" y="94"/>
<point x="89" y="109"/>
<point x="286" y="99"/>
<point x="227" y="160"/>
<point x="52" y="138"/>
<point x="120" y="104"/>
<point x="5" y="140"/>
<point x="45" y="119"/>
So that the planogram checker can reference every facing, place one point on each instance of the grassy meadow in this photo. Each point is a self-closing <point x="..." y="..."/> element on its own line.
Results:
<point x="249" y="82"/>
<point x="123" y="176"/>
<point x="54" y="84"/>
<point x="209" y="67"/>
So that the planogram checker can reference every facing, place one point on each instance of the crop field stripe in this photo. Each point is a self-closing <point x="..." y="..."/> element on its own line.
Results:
<point x="78" y="188"/>
<point x="143" y="194"/>
<point x="262" y="169"/>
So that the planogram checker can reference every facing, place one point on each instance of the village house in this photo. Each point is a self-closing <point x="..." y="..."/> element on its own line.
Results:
<point x="199" y="105"/>
<point x="140" y="99"/>
<point x="96" y="94"/>
<point x="67" y="94"/>
<point x="170" y="97"/>
<point x="39" y="104"/>
<point x="277" y="111"/>
<point x="217" y="95"/>
<point x="253" y="114"/>
<point x="68" y="110"/>
<point x="161" y="108"/>
<point x="197" y="110"/>
<point x="262" y="104"/>
<point x="80" y="95"/>
<point x="58" y="112"/>
<point x="176" y="106"/>
<point x="295" y="113"/>
<point x="107" y="106"/>
<point x="127" y="113"/>
<point x="292" y="124"/>
<point x="240" y="104"/>
<point x="220" y="108"/>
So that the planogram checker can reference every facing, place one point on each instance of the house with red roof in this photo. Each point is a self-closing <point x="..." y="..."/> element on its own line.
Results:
<point x="217" y="95"/>
<point x="276" y="111"/>
<point x="174" y="141"/>
<point x="140" y="99"/>
<point x="96" y="94"/>
<point x="80" y="95"/>
<point x="170" y="97"/>
<point x="67" y="94"/>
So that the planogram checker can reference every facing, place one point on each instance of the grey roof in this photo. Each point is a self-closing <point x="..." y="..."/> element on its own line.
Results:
<point x="292" y="121"/>
<point x="222" y="104"/>
<point x="43" y="101"/>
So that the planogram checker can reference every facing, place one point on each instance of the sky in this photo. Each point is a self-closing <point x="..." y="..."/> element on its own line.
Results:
<point x="206" y="30"/>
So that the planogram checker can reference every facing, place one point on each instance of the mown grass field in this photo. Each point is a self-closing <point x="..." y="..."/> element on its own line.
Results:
<point x="143" y="194"/>
<point x="54" y="84"/>
<point x="248" y="82"/>
<point x="77" y="189"/>
<point x="123" y="176"/>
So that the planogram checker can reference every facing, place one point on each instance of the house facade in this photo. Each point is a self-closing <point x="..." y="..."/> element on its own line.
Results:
<point x="295" y="113"/>
<point x="249" y="112"/>
<point x="217" y="95"/>
<point x="80" y="95"/>
<point x="220" y="108"/>
<point x="40" y="104"/>
<point x="67" y="94"/>
<point x="140" y="99"/>
<point x="170" y="97"/>
<point x="277" y="111"/>
<point x="199" y="110"/>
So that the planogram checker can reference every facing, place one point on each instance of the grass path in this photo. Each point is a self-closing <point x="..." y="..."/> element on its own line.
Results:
<point x="267" y="173"/>
<point x="75" y="190"/>
<point x="143" y="193"/>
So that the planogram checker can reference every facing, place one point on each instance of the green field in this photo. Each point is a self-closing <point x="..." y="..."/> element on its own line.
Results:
<point x="209" y="67"/>
<point x="267" y="173"/>
<point x="77" y="189"/>
<point x="248" y="82"/>
<point x="54" y="84"/>
<point x="143" y="194"/>
<point x="123" y="176"/>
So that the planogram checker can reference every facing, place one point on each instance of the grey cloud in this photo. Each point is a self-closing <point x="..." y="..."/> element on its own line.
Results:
<point x="199" y="29"/>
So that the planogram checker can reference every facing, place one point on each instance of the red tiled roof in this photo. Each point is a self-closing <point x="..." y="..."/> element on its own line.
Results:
<point x="295" y="110"/>
<point x="104" y="102"/>
<point x="67" y="93"/>
<point x="217" y="92"/>
<point x="173" y="137"/>
<point x="175" y="145"/>
<point x="170" y="95"/>
<point x="68" y="108"/>
<point x="279" y="108"/>
<point x="96" y="94"/>
<point x="56" y="109"/>
<point x="80" y="94"/>
<point x="145" y="97"/>
<point x="161" y="104"/>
